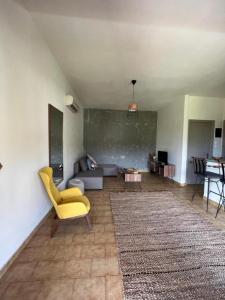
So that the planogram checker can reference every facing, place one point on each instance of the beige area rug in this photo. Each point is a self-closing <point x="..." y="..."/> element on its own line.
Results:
<point x="167" y="250"/>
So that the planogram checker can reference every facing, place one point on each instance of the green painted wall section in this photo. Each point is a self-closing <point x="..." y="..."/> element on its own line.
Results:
<point x="116" y="136"/>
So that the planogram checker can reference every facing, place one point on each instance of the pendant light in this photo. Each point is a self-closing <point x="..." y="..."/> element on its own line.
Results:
<point x="132" y="107"/>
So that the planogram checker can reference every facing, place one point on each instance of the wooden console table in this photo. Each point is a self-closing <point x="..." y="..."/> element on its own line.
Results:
<point x="167" y="170"/>
<point x="163" y="170"/>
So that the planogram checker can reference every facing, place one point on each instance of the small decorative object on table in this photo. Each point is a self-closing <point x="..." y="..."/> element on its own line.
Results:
<point x="132" y="171"/>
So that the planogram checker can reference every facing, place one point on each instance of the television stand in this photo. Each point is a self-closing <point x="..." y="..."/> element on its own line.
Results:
<point x="165" y="170"/>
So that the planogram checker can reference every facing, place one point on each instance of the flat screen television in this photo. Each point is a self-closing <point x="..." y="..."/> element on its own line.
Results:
<point x="163" y="157"/>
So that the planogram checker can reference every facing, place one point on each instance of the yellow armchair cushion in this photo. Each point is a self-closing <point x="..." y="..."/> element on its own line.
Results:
<point x="69" y="193"/>
<point x="82" y="199"/>
<point x="71" y="210"/>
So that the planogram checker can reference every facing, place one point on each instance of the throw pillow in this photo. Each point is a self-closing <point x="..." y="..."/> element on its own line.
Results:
<point x="91" y="165"/>
<point x="92" y="159"/>
<point x="83" y="164"/>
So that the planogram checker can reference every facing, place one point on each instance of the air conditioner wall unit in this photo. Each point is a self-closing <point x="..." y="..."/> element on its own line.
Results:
<point x="71" y="103"/>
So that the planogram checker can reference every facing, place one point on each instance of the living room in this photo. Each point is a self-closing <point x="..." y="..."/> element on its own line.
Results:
<point x="135" y="244"/>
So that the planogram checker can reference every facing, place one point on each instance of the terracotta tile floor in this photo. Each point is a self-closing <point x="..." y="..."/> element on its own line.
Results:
<point x="76" y="263"/>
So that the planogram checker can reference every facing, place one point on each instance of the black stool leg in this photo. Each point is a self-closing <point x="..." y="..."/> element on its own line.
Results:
<point x="221" y="202"/>
<point x="207" y="202"/>
<point x="193" y="195"/>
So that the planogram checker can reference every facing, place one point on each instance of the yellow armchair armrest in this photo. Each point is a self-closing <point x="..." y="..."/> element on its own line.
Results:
<point x="71" y="210"/>
<point x="69" y="193"/>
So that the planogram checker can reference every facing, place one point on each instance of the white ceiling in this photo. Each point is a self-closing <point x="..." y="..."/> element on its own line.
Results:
<point x="172" y="48"/>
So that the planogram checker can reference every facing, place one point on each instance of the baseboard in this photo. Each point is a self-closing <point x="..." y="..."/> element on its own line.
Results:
<point x="182" y="184"/>
<point x="24" y="244"/>
<point x="176" y="182"/>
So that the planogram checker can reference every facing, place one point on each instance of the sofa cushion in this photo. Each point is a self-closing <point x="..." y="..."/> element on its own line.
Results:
<point x="83" y="164"/>
<point x="91" y="173"/>
<point x="93" y="179"/>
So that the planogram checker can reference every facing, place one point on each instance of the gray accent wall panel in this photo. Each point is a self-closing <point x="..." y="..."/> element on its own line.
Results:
<point x="113" y="136"/>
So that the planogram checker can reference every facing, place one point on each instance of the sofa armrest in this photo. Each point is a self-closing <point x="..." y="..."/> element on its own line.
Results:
<point x="71" y="210"/>
<point x="69" y="193"/>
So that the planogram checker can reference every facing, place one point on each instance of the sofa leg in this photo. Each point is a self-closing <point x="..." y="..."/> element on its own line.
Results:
<point x="55" y="223"/>
<point x="88" y="222"/>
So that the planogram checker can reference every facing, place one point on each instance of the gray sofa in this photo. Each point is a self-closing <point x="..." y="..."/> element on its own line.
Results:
<point x="93" y="179"/>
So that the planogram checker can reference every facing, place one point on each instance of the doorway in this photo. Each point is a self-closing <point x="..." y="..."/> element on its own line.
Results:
<point x="223" y="136"/>
<point x="200" y="144"/>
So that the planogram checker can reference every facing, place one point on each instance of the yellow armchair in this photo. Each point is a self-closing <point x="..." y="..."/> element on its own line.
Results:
<point x="68" y="204"/>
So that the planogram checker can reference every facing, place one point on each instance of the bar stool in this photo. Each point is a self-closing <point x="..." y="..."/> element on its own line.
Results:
<point x="202" y="175"/>
<point x="222" y="197"/>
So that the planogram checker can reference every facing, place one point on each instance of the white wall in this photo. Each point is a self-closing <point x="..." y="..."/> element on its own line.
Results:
<point x="170" y="133"/>
<point x="172" y="128"/>
<point x="30" y="78"/>
<point x="205" y="108"/>
<point x="202" y="108"/>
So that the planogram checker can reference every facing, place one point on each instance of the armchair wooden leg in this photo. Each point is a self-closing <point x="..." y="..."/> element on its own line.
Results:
<point x="55" y="223"/>
<point x="88" y="221"/>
